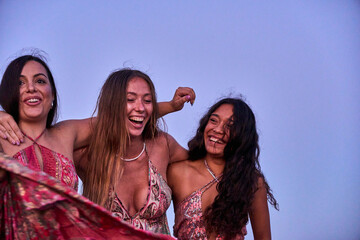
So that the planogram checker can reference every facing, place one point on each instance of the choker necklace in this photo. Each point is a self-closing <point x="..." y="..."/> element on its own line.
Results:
<point x="211" y="172"/>
<point x="133" y="159"/>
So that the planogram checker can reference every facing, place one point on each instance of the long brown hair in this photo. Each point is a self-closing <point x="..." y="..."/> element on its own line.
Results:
<point x="110" y="136"/>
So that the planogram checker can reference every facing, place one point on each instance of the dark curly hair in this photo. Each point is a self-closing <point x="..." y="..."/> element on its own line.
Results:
<point x="229" y="211"/>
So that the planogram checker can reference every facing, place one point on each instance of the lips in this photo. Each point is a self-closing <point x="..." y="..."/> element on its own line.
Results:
<point x="32" y="100"/>
<point x="216" y="140"/>
<point x="137" y="121"/>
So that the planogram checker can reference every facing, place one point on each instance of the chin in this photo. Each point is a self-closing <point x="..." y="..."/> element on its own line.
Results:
<point x="134" y="134"/>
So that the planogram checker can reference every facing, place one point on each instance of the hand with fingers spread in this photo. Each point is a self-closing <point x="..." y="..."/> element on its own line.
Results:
<point x="9" y="129"/>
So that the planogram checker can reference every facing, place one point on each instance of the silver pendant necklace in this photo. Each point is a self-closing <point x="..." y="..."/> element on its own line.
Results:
<point x="133" y="159"/>
<point x="210" y="171"/>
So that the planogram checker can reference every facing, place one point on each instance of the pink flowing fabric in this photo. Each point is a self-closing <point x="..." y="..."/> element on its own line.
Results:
<point x="34" y="205"/>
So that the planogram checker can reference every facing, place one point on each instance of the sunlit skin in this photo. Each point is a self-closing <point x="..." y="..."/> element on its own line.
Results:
<point x="35" y="93"/>
<point x="139" y="106"/>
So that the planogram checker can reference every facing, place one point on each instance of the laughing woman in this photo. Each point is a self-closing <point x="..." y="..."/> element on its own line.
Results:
<point x="221" y="184"/>
<point x="129" y="157"/>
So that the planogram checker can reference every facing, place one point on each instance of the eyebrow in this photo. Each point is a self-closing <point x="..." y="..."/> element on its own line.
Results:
<point x="36" y="75"/>
<point x="231" y="119"/>
<point x="134" y="93"/>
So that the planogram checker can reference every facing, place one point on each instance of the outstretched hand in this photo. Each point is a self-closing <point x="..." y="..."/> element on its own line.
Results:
<point x="181" y="96"/>
<point x="9" y="129"/>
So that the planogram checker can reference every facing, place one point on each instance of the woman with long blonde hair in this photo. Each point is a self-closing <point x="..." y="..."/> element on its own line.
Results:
<point x="128" y="155"/>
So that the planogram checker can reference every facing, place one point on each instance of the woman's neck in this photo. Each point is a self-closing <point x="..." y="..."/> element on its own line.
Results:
<point x="32" y="129"/>
<point x="134" y="146"/>
<point x="216" y="164"/>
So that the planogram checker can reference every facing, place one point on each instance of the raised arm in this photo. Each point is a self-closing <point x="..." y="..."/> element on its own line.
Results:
<point x="181" y="96"/>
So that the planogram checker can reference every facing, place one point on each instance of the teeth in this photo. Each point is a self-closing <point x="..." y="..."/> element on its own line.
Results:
<point x="32" y="100"/>
<point x="216" y="140"/>
<point x="137" y="119"/>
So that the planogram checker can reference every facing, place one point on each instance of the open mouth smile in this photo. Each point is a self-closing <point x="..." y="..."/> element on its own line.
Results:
<point x="32" y="100"/>
<point x="216" y="140"/>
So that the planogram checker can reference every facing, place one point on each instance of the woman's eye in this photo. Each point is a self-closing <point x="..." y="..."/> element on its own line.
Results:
<point x="148" y="101"/>
<point x="40" y="81"/>
<point x="21" y="83"/>
<point x="130" y="100"/>
<point x="212" y="120"/>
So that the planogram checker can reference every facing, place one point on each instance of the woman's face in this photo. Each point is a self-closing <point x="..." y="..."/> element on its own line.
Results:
<point x="36" y="95"/>
<point x="217" y="130"/>
<point x="139" y="106"/>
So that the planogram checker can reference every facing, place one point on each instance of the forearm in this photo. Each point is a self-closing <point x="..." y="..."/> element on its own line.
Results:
<point x="165" y="108"/>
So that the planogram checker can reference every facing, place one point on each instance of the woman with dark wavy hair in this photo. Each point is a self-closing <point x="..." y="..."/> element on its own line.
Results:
<point x="222" y="184"/>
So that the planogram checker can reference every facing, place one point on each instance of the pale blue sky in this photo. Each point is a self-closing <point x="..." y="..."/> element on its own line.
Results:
<point x="296" y="62"/>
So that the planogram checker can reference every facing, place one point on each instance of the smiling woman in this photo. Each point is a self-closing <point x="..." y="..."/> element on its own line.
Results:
<point x="28" y="94"/>
<point x="36" y="95"/>
<point x="222" y="184"/>
<point x="127" y="160"/>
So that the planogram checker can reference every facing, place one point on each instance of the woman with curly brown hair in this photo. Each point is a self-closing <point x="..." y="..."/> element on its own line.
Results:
<point x="222" y="184"/>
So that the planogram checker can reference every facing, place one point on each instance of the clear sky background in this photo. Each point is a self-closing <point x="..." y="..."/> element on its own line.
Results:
<point x="297" y="63"/>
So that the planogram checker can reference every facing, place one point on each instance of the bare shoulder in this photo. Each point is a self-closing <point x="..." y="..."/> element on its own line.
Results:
<point x="182" y="170"/>
<point x="164" y="137"/>
<point x="76" y="131"/>
<point x="261" y="183"/>
<point x="72" y="124"/>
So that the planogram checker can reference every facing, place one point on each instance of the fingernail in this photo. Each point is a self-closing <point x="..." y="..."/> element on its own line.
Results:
<point x="18" y="143"/>
<point x="13" y="142"/>
<point x="22" y="140"/>
<point x="188" y="97"/>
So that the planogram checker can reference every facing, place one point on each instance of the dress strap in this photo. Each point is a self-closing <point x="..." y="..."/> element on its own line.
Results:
<point x="37" y="138"/>
<point x="208" y="185"/>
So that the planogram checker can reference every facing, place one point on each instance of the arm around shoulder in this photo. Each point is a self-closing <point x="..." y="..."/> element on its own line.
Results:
<point x="80" y="130"/>
<point x="176" y="151"/>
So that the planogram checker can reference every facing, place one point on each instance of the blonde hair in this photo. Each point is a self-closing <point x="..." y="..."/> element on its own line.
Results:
<point x="110" y="136"/>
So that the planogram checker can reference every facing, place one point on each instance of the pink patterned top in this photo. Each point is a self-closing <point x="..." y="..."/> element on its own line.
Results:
<point x="54" y="164"/>
<point x="189" y="222"/>
<point x="152" y="216"/>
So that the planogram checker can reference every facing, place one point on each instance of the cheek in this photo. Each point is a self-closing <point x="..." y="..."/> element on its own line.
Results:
<point x="49" y="93"/>
<point x="128" y="108"/>
<point x="207" y="129"/>
<point x="149" y="109"/>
